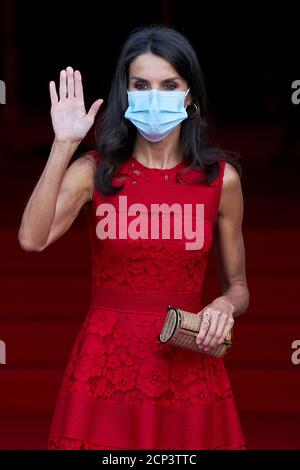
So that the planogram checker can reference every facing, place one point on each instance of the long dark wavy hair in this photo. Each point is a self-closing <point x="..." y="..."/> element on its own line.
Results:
<point x="115" y="135"/>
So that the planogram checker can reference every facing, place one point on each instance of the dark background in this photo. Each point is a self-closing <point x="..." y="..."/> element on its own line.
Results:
<point x="249" y="59"/>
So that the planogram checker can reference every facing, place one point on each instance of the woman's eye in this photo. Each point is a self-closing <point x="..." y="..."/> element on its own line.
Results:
<point x="170" y="86"/>
<point x="144" y="86"/>
<point x="140" y="86"/>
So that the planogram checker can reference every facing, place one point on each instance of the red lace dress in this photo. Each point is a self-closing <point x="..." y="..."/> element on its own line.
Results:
<point x="122" y="389"/>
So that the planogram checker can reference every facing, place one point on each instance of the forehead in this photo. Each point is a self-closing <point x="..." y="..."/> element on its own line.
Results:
<point x="150" y="66"/>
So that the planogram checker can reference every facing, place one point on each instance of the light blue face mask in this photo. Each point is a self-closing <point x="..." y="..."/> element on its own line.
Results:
<point x="155" y="113"/>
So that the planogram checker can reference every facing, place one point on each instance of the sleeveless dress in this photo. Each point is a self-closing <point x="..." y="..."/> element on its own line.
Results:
<point x="122" y="389"/>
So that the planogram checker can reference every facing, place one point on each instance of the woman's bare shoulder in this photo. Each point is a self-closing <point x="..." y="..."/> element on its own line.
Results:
<point x="231" y="178"/>
<point x="91" y="156"/>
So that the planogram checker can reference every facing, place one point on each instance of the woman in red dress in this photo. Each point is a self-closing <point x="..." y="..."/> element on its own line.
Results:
<point x="122" y="388"/>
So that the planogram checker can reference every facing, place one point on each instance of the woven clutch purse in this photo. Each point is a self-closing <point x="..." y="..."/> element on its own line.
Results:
<point x="181" y="328"/>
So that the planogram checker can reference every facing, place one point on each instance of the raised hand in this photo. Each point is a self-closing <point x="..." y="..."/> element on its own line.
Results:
<point x="70" y="120"/>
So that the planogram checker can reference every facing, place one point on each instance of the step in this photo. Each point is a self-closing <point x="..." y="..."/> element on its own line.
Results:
<point x="39" y="343"/>
<point x="47" y="296"/>
<point x="70" y="253"/>
<point x="24" y="388"/>
<point x="273" y="296"/>
<point x="266" y="390"/>
<point x="275" y="430"/>
<point x="24" y="430"/>
<point x="271" y="250"/>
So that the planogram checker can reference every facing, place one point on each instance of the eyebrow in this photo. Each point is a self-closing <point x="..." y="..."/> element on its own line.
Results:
<point x="166" y="80"/>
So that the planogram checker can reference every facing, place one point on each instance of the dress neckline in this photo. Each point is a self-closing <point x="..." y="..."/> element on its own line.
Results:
<point x="141" y="166"/>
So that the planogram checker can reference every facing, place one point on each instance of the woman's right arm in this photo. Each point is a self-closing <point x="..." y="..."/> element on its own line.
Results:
<point x="61" y="190"/>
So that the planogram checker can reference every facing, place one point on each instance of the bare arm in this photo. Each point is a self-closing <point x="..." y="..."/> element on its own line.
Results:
<point x="228" y="246"/>
<point x="56" y="200"/>
<point x="61" y="190"/>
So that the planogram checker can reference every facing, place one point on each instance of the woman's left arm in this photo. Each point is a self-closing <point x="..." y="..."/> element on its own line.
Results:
<point x="228" y="246"/>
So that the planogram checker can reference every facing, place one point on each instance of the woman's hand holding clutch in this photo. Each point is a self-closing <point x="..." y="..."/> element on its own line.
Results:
<point x="217" y="322"/>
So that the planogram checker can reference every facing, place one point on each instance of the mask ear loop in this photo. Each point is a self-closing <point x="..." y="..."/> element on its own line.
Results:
<point x="185" y="96"/>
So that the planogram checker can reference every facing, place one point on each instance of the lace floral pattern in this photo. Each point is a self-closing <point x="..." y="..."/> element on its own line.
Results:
<point x="148" y="266"/>
<point x="120" y="358"/>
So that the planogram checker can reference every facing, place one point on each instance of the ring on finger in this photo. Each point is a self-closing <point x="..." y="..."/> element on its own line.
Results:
<point x="206" y="317"/>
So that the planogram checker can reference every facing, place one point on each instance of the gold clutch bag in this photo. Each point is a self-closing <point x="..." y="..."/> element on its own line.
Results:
<point x="181" y="328"/>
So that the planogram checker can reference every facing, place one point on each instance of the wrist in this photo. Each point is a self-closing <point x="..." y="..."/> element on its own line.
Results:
<point x="223" y="299"/>
<point x="66" y="146"/>
<point x="66" y="143"/>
